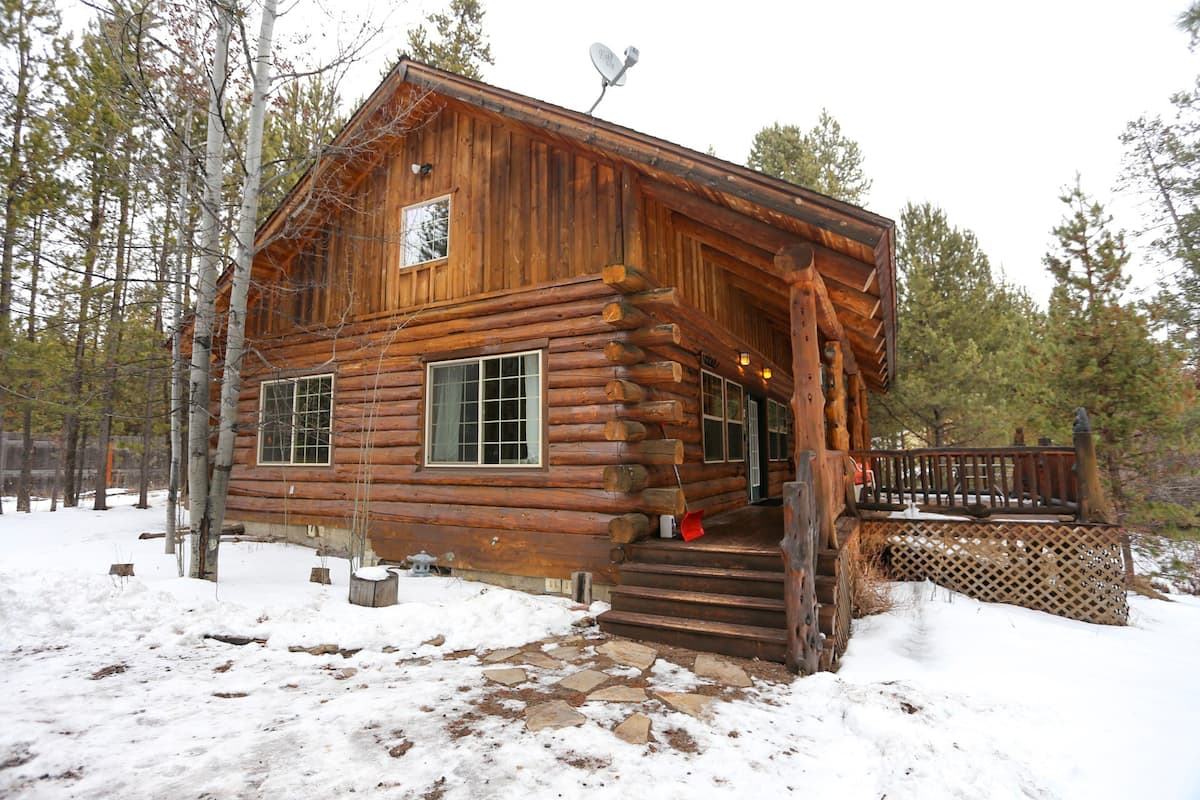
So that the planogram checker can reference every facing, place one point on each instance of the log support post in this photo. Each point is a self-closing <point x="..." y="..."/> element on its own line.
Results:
<point x="808" y="401"/>
<point x="799" y="547"/>
<point x="835" y="409"/>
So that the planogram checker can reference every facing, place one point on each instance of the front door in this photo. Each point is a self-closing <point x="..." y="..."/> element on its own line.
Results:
<point x="752" y="450"/>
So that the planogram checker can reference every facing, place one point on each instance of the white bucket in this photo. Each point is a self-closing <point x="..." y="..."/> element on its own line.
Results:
<point x="666" y="527"/>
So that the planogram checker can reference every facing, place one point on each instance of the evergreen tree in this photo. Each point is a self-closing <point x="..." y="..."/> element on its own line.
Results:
<point x="460" y="43"/>
<point x="1097" y="350"/>
<point x="822" y="159"/>
<point x="964" y="337"/>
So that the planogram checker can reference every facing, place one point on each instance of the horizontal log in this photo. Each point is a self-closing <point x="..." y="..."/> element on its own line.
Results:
<point x="655" y="298"/>
<point x="493" y="549"/>
<point x="581" y="414"/>
<point x="628" y="528"/>
<point x="624" y="391"/>
<point x="623" y="353"/>
<point x="666" y="500"/>
<point x="655" y="335"/>
<point x="655" y="372"/>
<point x="624" y="430"/>
<point x="625" y="478"/>
<point x="655" y="411"/>
<point x="623" y="315"/>
<point x="651" y="451"/>
<point x="624" y="278"/>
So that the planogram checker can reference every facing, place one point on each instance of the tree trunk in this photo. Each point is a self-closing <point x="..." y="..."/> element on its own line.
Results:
<point x="71" y="421"/>
<point x="178" y="380"/>
<point x="235" y="328"/>
<point x="204" y="539"/>
<point x="25" y="481"/>
<point x="113" y="335"/>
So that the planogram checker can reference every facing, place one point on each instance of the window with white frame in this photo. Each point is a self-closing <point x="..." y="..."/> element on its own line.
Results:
<point x="723" y="410"/>
<point x="485" y="411"/>
<point x="779" y="428"/>
<point x="712" y="402"/>
<point x="295" y="418"/>
<point x="734" y="421"/>
<point x="425" y="232"/>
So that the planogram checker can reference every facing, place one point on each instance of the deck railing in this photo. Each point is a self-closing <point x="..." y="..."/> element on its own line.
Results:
<point x="971" y="481"/>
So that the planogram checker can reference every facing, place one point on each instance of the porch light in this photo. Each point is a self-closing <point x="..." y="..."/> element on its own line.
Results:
<point x="766" y="373"/>
<point x="744" y="359"/>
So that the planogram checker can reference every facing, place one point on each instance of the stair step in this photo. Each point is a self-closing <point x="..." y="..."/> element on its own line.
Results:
<point x="754" y="558"/>
<point x="743" y="641"/>
<point x="766" y="612"/>
<point x="714" y="580"/>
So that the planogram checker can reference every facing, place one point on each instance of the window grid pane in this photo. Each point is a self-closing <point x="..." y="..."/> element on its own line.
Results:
<point x="296" y="421"/>
<point x="493" y="405"/>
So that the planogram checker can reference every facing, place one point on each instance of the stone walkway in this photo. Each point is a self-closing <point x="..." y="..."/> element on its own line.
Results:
<point x="550" y="680"/>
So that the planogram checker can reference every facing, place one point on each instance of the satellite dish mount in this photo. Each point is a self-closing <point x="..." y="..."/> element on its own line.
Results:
<point x="611" y="68"/>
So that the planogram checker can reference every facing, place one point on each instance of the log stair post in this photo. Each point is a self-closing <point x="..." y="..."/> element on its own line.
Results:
<point x="638" y="415"/>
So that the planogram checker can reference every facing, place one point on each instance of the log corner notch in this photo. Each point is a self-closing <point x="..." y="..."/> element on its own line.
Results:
<point x="799" y="546"/>
<point x="635" y="408"/>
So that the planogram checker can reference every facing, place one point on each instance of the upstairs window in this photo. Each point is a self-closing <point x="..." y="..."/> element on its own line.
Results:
<point x="425" y="233"/>
<point x="295" y="417"/>
<point x="485" y="412"/>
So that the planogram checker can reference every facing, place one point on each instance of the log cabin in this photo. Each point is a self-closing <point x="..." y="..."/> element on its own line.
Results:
<point x="516" y="336"/>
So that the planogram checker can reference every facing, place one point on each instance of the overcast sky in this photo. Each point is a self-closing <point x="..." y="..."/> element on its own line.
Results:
<point x="986" y="109"/>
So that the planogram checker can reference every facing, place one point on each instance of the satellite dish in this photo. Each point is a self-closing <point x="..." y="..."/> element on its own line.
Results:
<point x="611" y="68"/>
<point x="608" y="64"/>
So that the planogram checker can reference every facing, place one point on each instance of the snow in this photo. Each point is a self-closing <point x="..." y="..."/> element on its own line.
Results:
<point x="112" y="690"/>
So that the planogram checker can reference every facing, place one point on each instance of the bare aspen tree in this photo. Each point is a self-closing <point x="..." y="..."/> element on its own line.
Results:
<point x="204" y="321"/>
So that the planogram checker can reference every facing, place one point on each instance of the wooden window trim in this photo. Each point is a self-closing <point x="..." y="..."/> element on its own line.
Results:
<point x="294" y="380"/>
<point x="477" y="468"/>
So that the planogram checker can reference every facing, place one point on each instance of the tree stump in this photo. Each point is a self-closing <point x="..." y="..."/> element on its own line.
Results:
<point x="320" y="575"/>
<point x="121" y="570"/>
<point x="373" y="587"/>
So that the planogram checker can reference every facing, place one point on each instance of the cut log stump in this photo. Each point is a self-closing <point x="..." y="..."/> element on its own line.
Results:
<point x="372" y="591"/>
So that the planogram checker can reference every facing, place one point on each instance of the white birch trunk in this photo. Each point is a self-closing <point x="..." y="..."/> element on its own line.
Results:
<point x="231" y="379"/>
<point x="178" y="385"/>
<point x="206" y="292"/>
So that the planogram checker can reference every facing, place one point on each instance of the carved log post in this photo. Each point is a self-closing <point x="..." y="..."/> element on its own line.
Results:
<point x="808" y="402"/>
<point x="835" y="409"/>
<point x="1093" y="507"/>
<point x="799" y="562"/>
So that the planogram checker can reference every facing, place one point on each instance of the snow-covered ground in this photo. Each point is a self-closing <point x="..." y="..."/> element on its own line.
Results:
<point x="111" y="690"/>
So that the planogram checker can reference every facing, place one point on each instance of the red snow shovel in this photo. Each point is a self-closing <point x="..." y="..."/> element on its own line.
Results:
<point x="690" y="526"/>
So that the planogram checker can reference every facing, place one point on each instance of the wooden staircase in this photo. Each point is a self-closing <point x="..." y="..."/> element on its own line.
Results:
<point x="726" y="600"/>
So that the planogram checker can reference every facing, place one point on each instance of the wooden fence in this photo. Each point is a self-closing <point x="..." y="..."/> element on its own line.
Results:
<point x="975" y="482"/>
<point x="1073" y="570"/>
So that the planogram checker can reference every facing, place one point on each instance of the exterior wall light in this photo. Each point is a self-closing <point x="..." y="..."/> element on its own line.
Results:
<point x="766" y="373"/>
<point x="744" y="359"/>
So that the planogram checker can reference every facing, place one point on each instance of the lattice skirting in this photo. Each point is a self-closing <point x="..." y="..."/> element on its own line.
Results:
<point x="1075" y="571"/>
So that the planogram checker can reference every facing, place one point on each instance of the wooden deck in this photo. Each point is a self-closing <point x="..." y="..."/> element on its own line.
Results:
<point x="752" y="528"/>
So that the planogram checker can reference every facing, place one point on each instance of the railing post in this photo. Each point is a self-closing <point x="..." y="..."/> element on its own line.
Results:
<point x="799" y="547"/>
<point x="1092" y="505"/>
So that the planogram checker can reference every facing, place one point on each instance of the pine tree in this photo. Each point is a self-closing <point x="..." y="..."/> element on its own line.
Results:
<point x="822" y="159"/>
<point x="1097" y="350"/>
<point x="963" y="338"/>
<point x="460" y="44"/>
